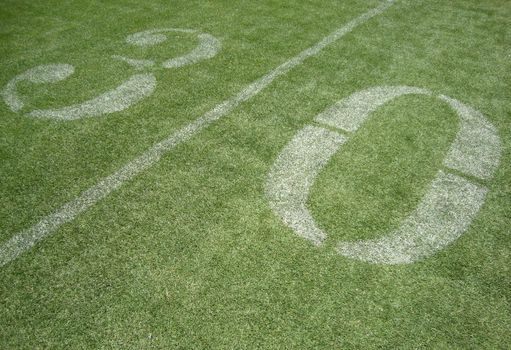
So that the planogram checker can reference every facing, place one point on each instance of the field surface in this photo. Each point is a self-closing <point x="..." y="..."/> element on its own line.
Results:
<point x="269" y="174"/>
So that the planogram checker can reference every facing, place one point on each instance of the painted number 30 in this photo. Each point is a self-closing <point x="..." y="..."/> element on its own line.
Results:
<point x="443" y="214"/>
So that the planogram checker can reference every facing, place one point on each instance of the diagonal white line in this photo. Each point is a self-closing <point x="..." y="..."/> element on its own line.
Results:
<point x="24" y="240"/>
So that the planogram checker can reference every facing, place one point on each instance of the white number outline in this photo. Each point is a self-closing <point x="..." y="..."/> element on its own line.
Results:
<point x="127" y="94"/>
<point x="444" y="213"/>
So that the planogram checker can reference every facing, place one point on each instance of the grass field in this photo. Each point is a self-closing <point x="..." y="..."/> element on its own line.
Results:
<point x="156" y="225"/>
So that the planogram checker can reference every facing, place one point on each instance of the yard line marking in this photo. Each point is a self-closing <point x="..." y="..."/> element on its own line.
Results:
<point x="24" y="240"/>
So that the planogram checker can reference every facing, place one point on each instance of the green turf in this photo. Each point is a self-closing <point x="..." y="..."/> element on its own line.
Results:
<point x="189" y="254"/>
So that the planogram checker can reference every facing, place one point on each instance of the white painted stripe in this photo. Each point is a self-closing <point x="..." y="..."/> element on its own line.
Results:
<point x="125" y="95"/>
<point x="135" y="63"/>
<point x="28" y="238"/>
<point x="293" y="174"/>
<point x="444" y="213"/>
<point x="476" y="149"/>
<point x="11" y="96"/>
<point x="49" y="73"/>
<point x="207" y="48"/>
<point x="153" y="36"/>
<point x="349" y="114"/>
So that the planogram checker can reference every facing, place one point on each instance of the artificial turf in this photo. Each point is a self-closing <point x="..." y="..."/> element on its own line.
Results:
<point x="189" y="254"/>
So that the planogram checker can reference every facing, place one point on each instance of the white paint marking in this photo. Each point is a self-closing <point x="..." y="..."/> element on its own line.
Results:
<point x="135" y="63"/>
<point x="442" y="216"/>
<point x="476" y="149"/>
<point x="445" y="211"/>
<point x="153" y="36"/>
<point x="208" y="47"/>
<point x="118" y="99"/>
<point x="293" y="174"/>
<point x="452" y="202"/>
<point x="349" y="114"/>
<point x="125" y="95"/>
<point x="50" y="73"/>
<point x="24" y="240"/>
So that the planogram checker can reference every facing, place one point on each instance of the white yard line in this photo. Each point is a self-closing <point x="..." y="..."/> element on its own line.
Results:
<point x="24" y="240"/>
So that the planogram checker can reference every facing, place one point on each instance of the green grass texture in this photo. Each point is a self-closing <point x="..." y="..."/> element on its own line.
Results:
<point x="189" y="254"/>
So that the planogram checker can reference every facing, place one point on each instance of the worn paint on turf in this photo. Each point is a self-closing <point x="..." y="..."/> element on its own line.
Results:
<point x="208" y="47"/>
<point x="125" y="95"/>
<point x="443" y="214"/>
<point x="293" y="174"/>
<point x="130" y="92"/>
<point x="49" y="73"/>
<point x="154" y="36"/>
<point x="441" y="217"/>
<point x="138" y="64"/>
<point x="26" y="239"/>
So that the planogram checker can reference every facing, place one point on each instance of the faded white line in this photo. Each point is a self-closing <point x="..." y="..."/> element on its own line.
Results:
<point x="154" y="36"/>
<point x="135" y="63"/>
<point x="24" y="240"/>
<point x="476" y="149"/>
<point x="49" y="73"/>
<point x="293" y="174"/>
<point x="443" y="214"/>
<point x="208" y="47"/>
<point x="348" y="114"/>
<point x="125" y="95"/>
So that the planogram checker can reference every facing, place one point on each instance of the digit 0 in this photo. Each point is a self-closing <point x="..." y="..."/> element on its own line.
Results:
<point x="444" y="213"/>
